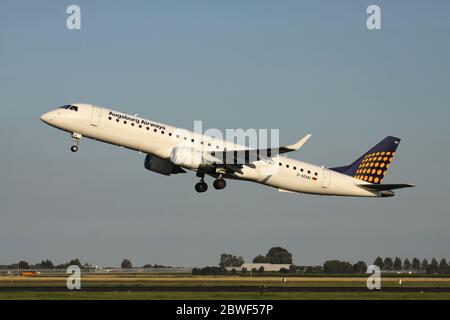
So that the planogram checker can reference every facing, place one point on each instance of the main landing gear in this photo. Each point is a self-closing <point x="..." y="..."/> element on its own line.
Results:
<point x="219" y="183"/>
<point x="201" y="186"/>
<point x="76" y="137"/>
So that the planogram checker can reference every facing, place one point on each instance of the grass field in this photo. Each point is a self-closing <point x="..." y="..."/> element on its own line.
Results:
<point x="142" y="280"/>
<point x="222" y="296"/>
<point x="137" y="281"/>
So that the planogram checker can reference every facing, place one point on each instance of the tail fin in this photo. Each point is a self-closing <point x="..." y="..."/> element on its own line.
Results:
<point x="372" y="166"/>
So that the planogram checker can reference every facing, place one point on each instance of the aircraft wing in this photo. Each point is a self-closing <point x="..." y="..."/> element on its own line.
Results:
<point x="247" y="156"/>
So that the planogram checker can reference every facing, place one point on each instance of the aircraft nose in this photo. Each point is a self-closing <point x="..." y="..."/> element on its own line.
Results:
<point x="47" y="117"/>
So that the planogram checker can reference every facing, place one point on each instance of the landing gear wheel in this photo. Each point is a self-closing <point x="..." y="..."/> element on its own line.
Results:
<point x="201" y="186"/>
<point x="219" y="184"/>
<point x="76" y="137"/>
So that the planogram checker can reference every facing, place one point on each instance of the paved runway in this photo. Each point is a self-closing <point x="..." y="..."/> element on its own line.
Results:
<point x="218" y="289"/>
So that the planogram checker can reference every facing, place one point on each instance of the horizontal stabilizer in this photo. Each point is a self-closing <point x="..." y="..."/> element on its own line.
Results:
<point x="384" y="187"/>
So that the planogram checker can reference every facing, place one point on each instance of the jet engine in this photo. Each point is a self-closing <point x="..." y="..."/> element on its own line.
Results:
<point x="159" y="165"/>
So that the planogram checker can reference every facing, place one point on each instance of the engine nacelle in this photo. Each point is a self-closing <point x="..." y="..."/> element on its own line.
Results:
<point x="190" y="158"/>
<point x="156" y="164"/>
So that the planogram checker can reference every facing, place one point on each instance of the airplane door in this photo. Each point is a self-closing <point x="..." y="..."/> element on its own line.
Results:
<point x="96" y="116"/>
<point x="326" y="178"/>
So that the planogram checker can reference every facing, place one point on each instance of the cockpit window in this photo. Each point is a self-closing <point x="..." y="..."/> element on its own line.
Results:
<point x="69" y="107"/>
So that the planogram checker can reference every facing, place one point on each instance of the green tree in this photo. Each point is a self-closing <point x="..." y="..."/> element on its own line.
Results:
<point x="293" y="268"/>
<point x="398" y="264"/>
<point x="260" y="259"/>
<point x="279" y="255"/>
<point x="415" y="264"/>
<point x="433" y="267"/>
<point x="45" y="264"/>
<point x="229" y="260"/>
<point x="126" y="264"/>
<point x="331" y="266"/>
<point x="24" y="265"/>
<point x="443" y="266"/>
<point x="74" y="262"/>
<point x="336" y="266"/>
<point x="424" y="264"/>
<point x="379" y="262"/>
<point x="388" y="263"/>
<point x="360" y="267"/>
<point x="407" y="264"/>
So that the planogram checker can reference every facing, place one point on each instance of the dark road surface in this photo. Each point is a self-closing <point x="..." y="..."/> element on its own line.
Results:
<point x="218" y="289"/>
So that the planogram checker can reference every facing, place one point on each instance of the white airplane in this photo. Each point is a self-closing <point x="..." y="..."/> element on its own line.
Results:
<point x="170" y="150"/>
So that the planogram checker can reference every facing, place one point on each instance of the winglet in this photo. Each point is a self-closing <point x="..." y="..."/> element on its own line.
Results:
<point x="299" y="144"/>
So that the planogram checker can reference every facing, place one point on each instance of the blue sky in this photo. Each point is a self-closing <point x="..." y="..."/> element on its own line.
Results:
<point x="298" y="66"/>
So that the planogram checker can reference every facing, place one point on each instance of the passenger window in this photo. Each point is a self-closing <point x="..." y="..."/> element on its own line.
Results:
<point x="295" y="168"/>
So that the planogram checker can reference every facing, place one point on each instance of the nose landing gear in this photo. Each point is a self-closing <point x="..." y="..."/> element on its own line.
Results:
<point x="76" y="137"/>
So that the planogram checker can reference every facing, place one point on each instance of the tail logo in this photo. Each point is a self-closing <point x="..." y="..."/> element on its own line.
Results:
<point x="374" y="166"/>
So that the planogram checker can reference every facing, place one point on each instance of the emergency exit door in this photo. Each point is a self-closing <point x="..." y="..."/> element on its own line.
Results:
<point x="96" y="116"/>
<point x="326" y="178"/>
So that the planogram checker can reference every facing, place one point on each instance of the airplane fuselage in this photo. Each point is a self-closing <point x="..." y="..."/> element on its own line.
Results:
<point x="159" y="140"/>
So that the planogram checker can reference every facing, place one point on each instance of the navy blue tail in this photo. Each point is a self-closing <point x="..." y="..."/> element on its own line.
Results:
<point x="372" y="166"/>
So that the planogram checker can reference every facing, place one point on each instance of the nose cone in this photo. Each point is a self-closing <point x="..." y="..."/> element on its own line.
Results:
<point x="47" y="117"/>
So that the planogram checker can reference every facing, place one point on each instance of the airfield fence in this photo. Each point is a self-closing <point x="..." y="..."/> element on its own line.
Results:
<point x="101" y="270"/>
